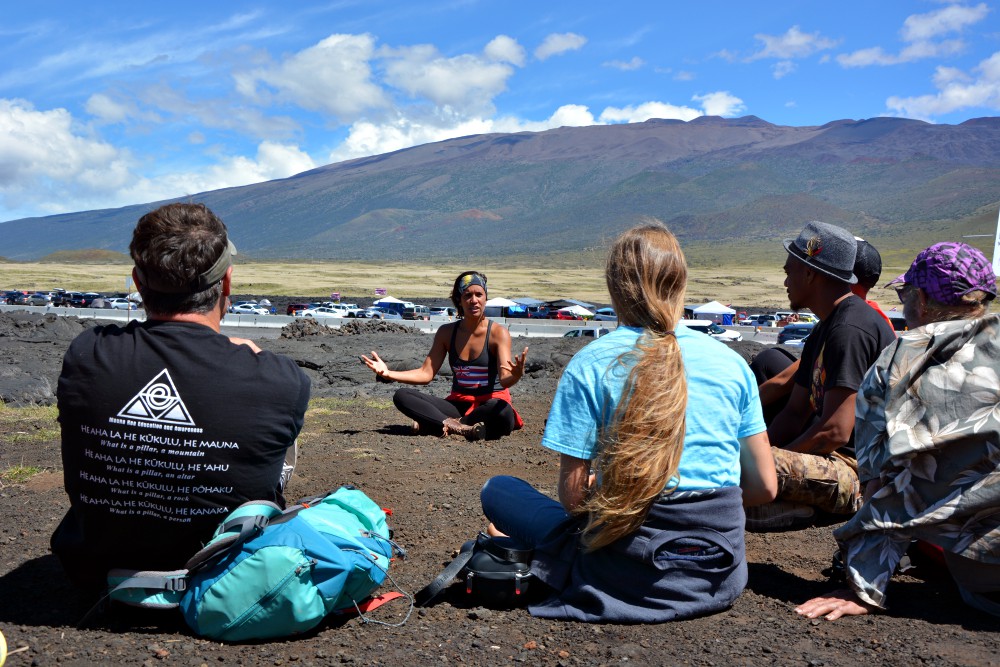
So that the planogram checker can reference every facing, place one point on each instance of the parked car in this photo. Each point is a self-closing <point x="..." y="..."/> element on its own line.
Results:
<point x="796" y="331"/>
<point x="605" y="315"/>
<point x="345" y="309"/>
<point x="759" y="320"/>
<point x="39" y="299"/>
<point x="585" y="333"/>
<point x="444" y="311"/>
<point x="712" y="329"/>
<point x="416" y="313"/>
<point x="89" y="298"/>
<point x="69" y="299"/>
<point x="797" y="342"/>
<point x="379" y="313"/>
<point x="294" y="308"/>
<point x="249" y="309"/>
<point x="120" y="303"/>
<point x="321" y="311"/>
<point x="562" y="315"/>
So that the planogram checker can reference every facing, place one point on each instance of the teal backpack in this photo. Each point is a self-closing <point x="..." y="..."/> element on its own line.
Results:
<point x="269" y="572"/>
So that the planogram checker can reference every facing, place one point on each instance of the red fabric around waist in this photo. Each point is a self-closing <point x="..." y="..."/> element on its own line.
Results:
<point x="476" y="401"/>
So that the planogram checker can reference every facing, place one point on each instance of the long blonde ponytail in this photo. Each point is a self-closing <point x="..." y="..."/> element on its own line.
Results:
<point x="641" y="449"/>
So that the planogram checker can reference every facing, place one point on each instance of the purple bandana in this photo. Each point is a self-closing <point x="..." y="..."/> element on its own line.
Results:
<point x="947" y="271"/>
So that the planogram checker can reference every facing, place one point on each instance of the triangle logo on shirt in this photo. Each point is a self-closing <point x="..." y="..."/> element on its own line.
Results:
<point x="158" y="402"/>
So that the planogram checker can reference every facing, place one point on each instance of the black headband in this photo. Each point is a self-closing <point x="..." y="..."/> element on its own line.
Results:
<point x="204" y="280"/>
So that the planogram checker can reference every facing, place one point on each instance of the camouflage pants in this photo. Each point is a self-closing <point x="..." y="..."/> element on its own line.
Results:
<point x="829" y="483"/>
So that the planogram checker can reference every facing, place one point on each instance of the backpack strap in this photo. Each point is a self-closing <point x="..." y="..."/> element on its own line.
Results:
<point x="243" y="523"/>
<point x="505" y="548"/>
<point x="147" y="588"/>
<point x="431" y="590"/>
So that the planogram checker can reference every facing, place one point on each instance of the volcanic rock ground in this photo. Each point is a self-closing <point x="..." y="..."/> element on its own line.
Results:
<point x="354" y="435"/>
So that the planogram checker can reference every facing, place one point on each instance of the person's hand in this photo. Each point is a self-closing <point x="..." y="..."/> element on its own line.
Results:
<point x="834" y="605"/>
<point x="375" y="363"/>
<point x="245" y="341"/>
<point x="516" y="365"/>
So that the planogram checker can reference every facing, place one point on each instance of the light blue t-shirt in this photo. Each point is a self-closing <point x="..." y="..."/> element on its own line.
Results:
<point x="723" y="404"/>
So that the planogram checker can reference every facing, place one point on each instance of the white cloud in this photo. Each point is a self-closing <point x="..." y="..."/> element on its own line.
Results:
<point x="568" y="115"/>
<point x="793" y="44"/>
<point x="465" y="83"/>
<point x="370" y="138"/>
<point x="684" y="76"/>
<point x="920" y="32"/>
<point x="334" y="77"/>
<point x="272" y="161"/>
<point x="647" y="110"/>
<point x="720" y="103"/>
<point x="626" y="65"/>
<point x="403" y="131"/>
<point x="876" y="55"/>
<point x="956" y="90"/>
<point x="506" y="50"/>
<point x="954" y="18"/>
<point x="783" y="68"/>
<point x="46" y="163"/>
<point x="558" y="43"/>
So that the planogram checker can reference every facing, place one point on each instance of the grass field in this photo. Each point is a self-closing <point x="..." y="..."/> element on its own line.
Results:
<point x="749" y="276"/>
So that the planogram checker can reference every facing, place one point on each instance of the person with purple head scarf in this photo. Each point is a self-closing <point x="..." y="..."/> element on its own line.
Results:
<point x="927" y="438"/>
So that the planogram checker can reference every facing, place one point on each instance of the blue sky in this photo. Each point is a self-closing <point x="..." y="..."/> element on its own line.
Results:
<point x="113" y="103"/>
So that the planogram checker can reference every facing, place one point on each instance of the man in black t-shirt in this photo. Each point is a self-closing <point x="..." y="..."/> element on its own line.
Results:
<point x="812" y="437"/>
<point x="168" y="425"/>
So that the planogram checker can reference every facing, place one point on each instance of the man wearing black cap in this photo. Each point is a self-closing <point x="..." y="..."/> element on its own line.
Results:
<point x="168" y="425"/>
<point x="812" y="437"/>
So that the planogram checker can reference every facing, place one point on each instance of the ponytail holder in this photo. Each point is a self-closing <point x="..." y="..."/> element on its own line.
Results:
<point x="670" y="333"/>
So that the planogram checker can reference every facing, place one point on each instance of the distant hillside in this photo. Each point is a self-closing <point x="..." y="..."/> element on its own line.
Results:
<point x="710" y="179"/>
<point x="86" y="256"/>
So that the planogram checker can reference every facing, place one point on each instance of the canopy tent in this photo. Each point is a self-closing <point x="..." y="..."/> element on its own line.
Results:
<point x="501" y="302"/>
<point x="714" y="308"/>
<point x="716" y="311"/>
<point x="501" y="307"/>
<point x="528" y="301"/>
<point x="559" y="304"/>
<point x="389" y="299"/>
<point x="577" y="310"/>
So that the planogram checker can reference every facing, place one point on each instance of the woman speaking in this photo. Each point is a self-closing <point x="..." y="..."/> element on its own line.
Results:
<point x="479" y="404"/>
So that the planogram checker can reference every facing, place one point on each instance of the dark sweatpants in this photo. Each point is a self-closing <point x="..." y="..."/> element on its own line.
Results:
<point x="430" y="412"/>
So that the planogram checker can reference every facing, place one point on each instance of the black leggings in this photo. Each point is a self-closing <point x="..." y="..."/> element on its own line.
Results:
<point x="766" y="365"/>
<point x="430" y="412"/>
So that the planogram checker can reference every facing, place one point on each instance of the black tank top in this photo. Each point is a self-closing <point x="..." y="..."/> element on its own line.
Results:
<point x="477" y="376"/>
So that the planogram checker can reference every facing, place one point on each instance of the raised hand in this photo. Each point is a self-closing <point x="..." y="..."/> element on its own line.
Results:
<point x="375" y="363"/>
<point x="516" y="365"/>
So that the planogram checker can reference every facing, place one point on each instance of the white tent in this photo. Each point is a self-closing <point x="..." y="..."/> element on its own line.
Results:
<point x="501" y="302"/>
<point x="576" y="310"/>
<point x="714" y="308"/>
<point x="389" y="299"/>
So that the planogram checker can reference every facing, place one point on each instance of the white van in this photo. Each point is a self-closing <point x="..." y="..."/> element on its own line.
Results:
<point x="712" y="329"/>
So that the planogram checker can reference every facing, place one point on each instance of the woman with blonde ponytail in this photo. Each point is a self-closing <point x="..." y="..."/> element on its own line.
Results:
<point x="661" y="444"/>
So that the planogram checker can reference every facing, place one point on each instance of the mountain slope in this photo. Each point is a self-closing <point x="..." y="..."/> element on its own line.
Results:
<point x="570" y="188"/>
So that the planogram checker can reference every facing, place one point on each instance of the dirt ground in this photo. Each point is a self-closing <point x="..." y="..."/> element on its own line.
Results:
<point x="354" y="435"/>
